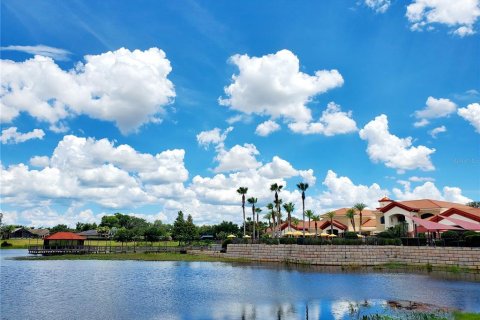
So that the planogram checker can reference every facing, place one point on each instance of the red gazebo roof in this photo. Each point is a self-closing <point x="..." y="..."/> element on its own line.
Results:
<point x="65" y="236"/>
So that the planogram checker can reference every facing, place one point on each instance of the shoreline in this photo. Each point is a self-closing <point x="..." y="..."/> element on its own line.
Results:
<point x="202" y="257"/>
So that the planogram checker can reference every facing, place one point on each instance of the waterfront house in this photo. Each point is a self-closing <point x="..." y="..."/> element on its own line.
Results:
<point x="64" y="239"/>
<point x="90" y="235"/>
<point x="26" y="233"/>
<point x="391" y="212"/>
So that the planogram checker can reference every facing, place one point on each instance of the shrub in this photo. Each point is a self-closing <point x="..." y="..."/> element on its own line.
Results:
<point x="5" y="244"/>
<point x="385" y="235"/>
<point x="473" y="240"/>
<point x="350" y="235"/>
<point x="288" y="241"/>
<point x="450" y="235"/>
<point x="268" y="241"/>
<point x="469" y="233"/>
<point x="422" y="235"/>
<point x="225" y="243"/>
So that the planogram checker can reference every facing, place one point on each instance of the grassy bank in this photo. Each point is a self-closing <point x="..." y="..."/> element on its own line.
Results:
<point x="135" y="256"/>
<point x="24" y="243"/>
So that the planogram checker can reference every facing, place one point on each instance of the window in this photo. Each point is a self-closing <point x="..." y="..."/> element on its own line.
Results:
<point x="382" y="220"/>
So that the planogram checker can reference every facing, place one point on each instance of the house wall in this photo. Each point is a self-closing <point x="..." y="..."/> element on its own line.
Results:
<point x="332" y="255"/>
<point x="391" y="218"/>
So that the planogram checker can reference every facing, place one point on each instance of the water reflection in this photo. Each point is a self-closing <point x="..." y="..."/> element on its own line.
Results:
<point x="198" y="290"/>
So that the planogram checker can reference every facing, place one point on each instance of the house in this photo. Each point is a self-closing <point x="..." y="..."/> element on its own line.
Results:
<point x="90" y="235"/>
<point x="27" y="233"/>
<point x="368" y="220"/>
<point x="391" y="212"/>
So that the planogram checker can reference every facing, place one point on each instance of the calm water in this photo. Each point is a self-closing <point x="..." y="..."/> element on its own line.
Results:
<point x="204" y="290"/>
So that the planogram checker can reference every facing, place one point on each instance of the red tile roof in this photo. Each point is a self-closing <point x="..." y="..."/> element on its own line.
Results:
<point x="370" y="223"/>
<point x="65" y="236"/>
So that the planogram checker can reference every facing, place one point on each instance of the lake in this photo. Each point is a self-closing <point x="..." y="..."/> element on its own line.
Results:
<point x="214" y="290"/>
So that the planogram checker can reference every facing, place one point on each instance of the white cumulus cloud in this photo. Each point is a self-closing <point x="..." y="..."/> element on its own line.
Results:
<point x="394" y="152"/>
<point x="11" y="135"/>
<point x="266" y="128"/>
<point x="273" y="85"/>
<point x="214" y="136"/>
<point x="459" y="15"/>
<point x="472" y="114"/>
<point x="434" y="132"/>
<point x="434" y="108"/>
<point x="332" y="122"/>
<point x="130" y="88"/>
<point x="429" y="191"/>
<point x="238" y="158"/>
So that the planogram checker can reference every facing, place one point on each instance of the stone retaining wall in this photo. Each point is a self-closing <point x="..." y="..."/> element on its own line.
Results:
<point x="338" y="255"/>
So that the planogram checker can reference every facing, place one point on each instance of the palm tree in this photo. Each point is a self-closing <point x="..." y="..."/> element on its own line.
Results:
<point x="316" y="218"/>
<point x="351" y="215"/>
<point x="272" y="213"/>
<point x="330" y="215"/>
<point x="258" y="210"/>
<point x="252" y="201"/>
<point x="309" y="214"/>
<point x="279" y="212"/>
<point x="289" y="207"/>
<point x="276" y="188"/>
<point x="360" y="206"/>
<point x="303" y="187"/>
<point x="243" y="192"/>
<point x="268" y="216"/>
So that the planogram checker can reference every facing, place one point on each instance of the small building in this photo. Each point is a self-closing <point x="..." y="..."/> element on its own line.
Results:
<point x="25" y="233"/>
<point x="64" y="239"/>
<point x="91" y="235"/>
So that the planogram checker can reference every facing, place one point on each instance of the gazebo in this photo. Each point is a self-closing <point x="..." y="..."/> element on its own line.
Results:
<point x="64" y="239"/>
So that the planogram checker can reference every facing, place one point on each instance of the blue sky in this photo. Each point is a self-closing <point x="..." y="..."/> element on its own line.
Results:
<point x="151" y="107"/>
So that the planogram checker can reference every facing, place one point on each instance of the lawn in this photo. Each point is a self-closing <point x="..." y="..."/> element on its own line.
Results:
<point x="24" y="243"/>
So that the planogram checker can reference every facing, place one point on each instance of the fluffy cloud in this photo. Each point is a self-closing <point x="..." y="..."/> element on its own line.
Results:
<point x="11" y="135"/>
<point x="472" y="114"/>
<point x="41" y="50"/>
<point x="332" y="122"/>
<point x="127" y="87"/>
<point x="214" y="136"/>
<point x="434" y="132"/>
<point x="380" y="6"/>
<point x="420" y="179"/>
<point x="460" y="15"/>
<point x="342" y="192"/>
<point x="429" y="191"/>
<point x="395" y="152"/>
<point x="238" y="158"/>
<point x="273" y="85"/>
<point x="435" y="108"/>
<point x="94" y="171"/>
<point x="266" y="128"/>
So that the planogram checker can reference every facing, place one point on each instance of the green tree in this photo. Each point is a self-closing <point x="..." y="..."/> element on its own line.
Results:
<point x="272" y="214"/>
<point x="350" y="214"/>
<point x="227" y="227"/>
<point x="7" y="230"/>
<point x="316" y="218"/>
<point x="330" y="215"/>
<point x="257" y="211"/>
<point x="109" y="221"/>
<point x="178" y="232"/>
<point x="152" y="234"/>
<point x="289" y="207"/>
<point x="474" y="204"/>
<point x="252" y="201"/>
<point x="309" y="214"/>
<point x="303" y="187"/>
<point x="85" y="226"/>
<point x="276" y="188"/>
<point x="123" y="235"/>
<point x="59" y="228"/>
<point x="191" y="232"/>
<point x="243" y="191"/>
<point x="360" y="207"/>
